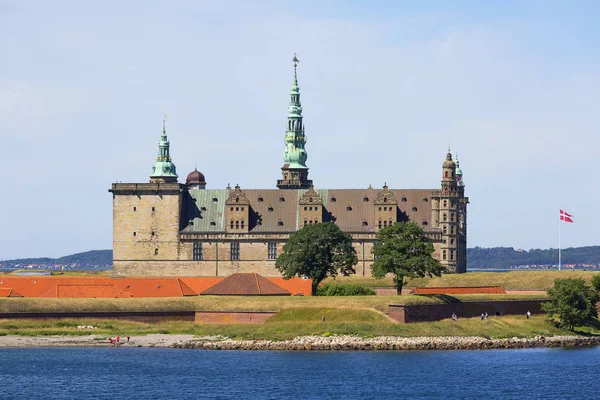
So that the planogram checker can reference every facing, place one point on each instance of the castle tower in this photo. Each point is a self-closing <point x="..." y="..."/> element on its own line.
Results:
<point x="449" y="216"/>
<point x="164" y="170"/>
<point x="294" y="172"/>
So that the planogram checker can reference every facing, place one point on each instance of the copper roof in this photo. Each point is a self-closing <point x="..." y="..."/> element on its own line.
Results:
<point x="278" y="211"/>
<point x="245" y="284"/>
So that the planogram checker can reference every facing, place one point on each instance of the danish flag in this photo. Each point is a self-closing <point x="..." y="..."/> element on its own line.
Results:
<point x="565" y="216"/>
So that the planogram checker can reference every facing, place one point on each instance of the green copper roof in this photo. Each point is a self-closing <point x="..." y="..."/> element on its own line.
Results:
<point x="163" y="167"/>
<point x="295" y="154"/>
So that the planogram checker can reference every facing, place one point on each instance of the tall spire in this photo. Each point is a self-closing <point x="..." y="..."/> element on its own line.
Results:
<point x="295" y="171"/>
<point x="163" y="170"/>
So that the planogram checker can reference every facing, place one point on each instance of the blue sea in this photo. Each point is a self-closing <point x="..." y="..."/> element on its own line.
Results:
<point x="143" y="373"/>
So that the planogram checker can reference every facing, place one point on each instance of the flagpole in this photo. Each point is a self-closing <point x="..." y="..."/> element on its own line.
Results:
<point x="559" y="244"/>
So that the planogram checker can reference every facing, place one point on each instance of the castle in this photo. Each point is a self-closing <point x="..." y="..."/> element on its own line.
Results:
<point x="165" y="228"/>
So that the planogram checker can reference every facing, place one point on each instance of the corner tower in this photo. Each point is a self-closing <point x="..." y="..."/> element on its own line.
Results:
<point x="164" y="170"/>
<point x="294" y="172"/>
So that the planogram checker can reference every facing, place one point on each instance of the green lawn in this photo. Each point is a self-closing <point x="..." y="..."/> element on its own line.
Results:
<point x="298" y="322"/>
<point x="514" y="280"/>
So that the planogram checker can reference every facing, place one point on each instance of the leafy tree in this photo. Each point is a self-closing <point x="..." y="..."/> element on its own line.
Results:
<point x="596" y="282"/>
<point x="405" y="251"/>
<point x="573" y="301"/>
<point x="317" y="251"/>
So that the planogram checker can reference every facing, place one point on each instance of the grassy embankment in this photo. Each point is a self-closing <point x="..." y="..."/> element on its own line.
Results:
<point x="514" y="280"/>
<point x="297" y="322"/>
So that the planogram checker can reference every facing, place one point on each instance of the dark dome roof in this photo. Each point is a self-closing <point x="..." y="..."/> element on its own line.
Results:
<point x="195" y="178"/>
<point x="448" y="163"/>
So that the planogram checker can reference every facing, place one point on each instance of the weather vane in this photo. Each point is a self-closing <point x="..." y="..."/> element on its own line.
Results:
<point x="165" y="118"/>
<point x="295" y="60"/>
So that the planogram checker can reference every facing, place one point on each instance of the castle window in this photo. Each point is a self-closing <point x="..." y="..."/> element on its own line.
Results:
<point x="391" y="223"/>
<point x="425" y="223"/>
<point x="234" y="251"/>
<point x="260" y="199"/>
<point x="452" y="216"/>
<point x="134" y="234"/>
<point x="214" y="199"/>
<point x="242" y="208"/>
<point x="213" y="223"/>
<point x="305" y="208"/>
<point x="310" y="199"/>
<point x="243" y="223"/>
<point x="231" y="209"/>
<point x="270" y="208"/>
<point x="445" y="229"/>
<point x="310" y="208"/>
<point x="152" y="234"/>
<point x="365" y="198"/>
<point x="452" y="203"/>
<point x="231" y="224"/>
<point x="445" y="203"/>
<point x="272" y="251"/>
<point x="451" y="241"/>
<point x="446" y="174"/>
<point x="384" y="208"/>
<point x="445" y="217"/>
<point x="443" y="254"/>
<point x="379" y="208"/>
<point x="404" y="200"/>
<point x="281" y="198"/>
<point x="425" y="199"/>
<point x="385" y="199"/>
<point x="333" y="199"/>
<point x="197" y="252"/>
<point x="155" y="252"/>
<point x="452" y="230"/>
<point x="451" y="254"/>
<point x="237" y="199"/>
<point x="414" y="208"/>
<point x="384" y="224"/>
<point x="153" y="209"/>
<point x="379" y="224"/>
<point x="305" y="222"/>
<point x="237" y="224"/>
<point x="134" y="208"/>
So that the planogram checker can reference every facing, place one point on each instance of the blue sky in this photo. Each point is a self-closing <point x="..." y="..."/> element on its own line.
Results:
<point x="514" y="86"/>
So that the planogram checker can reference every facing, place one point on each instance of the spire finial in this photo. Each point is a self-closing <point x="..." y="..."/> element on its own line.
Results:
<point x="164" y="121"/>
<point x="449" y="146"/>
<point x="295" y="60"/>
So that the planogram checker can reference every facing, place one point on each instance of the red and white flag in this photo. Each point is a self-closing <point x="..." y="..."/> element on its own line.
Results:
<point x="565" y="216"/>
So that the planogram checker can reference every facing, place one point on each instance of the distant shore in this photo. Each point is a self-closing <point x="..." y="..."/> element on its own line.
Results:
<point x="303" y="343"/>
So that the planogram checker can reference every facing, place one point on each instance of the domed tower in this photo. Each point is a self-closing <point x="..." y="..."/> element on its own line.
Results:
<point x="195" y="180"/>
<point x="164" y="170"/>
<point x="449" y="213"/>
<point x="294" y="172"/>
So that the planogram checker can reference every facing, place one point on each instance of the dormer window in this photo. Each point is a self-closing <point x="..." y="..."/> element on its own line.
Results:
<point x="270" y="208"/>
<point x="214" y="199"/>
<point x="333" y="199"/>
<point x="203" y="208"/>
<point x="425" y="199"/>
<point x="281" y="198"/>
<point x="365" y="223"/>
<point x="260" y="199"/>
<point x="404" y="200"/>
<point x="213" y="223"/>
<point x="414" y="208"/>
<point x="280" y="222"/>
<point x="349" y="208"/>
<point x="365" y="199"/>
<point x="425" y="223"/>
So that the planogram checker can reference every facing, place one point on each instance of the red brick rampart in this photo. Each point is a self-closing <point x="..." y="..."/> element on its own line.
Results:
<point x="459" y="290"/>
<point x="232" y="317"/>
<point x="438" y="312"/>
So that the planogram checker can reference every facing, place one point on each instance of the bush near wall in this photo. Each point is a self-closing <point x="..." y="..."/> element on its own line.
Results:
<point x="329" y="289"/>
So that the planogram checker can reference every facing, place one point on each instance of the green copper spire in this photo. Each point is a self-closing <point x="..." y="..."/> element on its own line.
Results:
<point x="295" y="154"/>
<point x="163" y="170"/>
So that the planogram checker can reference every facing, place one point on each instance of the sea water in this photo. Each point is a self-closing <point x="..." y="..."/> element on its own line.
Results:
<point x="152" y="373"/>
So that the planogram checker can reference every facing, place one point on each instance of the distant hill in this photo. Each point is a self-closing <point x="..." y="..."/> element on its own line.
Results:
<point x="506" y="257"/>
<point x="88" y="259"/>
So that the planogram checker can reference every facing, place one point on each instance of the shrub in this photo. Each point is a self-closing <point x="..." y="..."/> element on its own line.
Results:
<point x="596" y="282"/>
<point x="329" y="289"/>
<point x="573" y="301"/>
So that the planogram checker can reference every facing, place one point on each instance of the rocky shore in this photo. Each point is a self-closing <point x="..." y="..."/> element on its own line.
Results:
<point x="321" y="343"/>
<point x="305" y="343"/>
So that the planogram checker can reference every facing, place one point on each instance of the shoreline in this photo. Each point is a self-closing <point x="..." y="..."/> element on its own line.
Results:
<point x="305" y="343"/>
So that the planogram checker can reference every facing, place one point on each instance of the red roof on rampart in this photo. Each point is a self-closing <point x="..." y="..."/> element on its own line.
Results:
<point x="245" y="284"/>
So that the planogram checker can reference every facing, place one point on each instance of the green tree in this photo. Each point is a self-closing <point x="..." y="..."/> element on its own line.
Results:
<point x="573" y="302"/>
<point x="596" y="282"/>
<point x="405" y="251"/>
<point x="317" y="251"/>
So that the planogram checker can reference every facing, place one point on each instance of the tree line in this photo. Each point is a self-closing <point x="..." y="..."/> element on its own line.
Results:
<point x="505" y="257"/>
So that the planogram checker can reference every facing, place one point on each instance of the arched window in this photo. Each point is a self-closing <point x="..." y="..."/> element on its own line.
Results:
<point x="237" y="224"/>
<point x="446" y="174"/>
<point x="445" y="229"/>
<point x="379" y="224"/>
<point x="445" y="203"/>
<point x="384" y="224"/>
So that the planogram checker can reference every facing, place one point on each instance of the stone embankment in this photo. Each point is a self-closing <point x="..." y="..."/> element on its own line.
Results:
<point x="322" y="343"/>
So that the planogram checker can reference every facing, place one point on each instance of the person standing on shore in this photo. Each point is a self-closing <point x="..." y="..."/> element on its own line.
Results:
<point x="528" y="314"/>
<point x="454" y="317"/>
